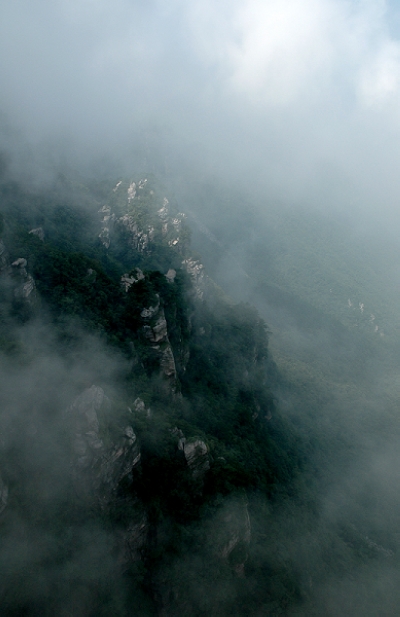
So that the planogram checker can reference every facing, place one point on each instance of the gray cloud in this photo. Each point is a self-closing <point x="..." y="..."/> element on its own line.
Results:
<point x="302" y="96"/>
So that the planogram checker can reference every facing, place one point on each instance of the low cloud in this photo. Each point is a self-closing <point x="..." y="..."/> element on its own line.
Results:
<point x="301" y="96"/>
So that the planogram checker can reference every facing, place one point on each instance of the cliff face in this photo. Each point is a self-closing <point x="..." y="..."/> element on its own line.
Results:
<point x="103" y="465"/>
<point x="104" y="455"/>
<point x="156" y="333"/>
<point x="133" y="211"/>
<point x="164" y="469"/>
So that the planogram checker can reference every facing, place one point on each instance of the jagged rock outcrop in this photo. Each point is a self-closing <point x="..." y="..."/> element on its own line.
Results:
<point x="195" y="452"/>
<point x="38" y="231"/>
<point x="140" y="408"/>
<point x="138" y="238"/>
<point x="25" y="284"/>
<point x="120" y="459"/>
<point x="196" y="271"/>
<point x="131" y="191"/>
<point x="140" y="225"/>
<point x="151" y="311"/>
<point x="156" y="334"/>
<point x="167" y="363"/>
<point x="107" y="223"/>
<point x="99" y="463"/>
<point x="127" y="280"/>
<point x="196" y="455"/>
<point x="141" y="233"/>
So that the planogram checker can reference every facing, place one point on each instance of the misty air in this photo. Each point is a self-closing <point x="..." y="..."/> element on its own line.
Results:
<point x="200" y="308"/>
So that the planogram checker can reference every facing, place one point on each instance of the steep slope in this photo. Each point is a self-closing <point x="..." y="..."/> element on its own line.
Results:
<point x="327" y="286"/>
<point x="103" y="283"/>
<point x="154" y="457"/>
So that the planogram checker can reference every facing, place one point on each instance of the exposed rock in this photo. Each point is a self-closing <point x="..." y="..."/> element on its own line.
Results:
<point x="157" y="335"/>
<point x="98" y="468"/>
<point x="139" y="276"/>
<point x="148" y="313"/>
<point x="104" y="236"/>
<point x="196" y="455"/>
<point x="131" y="191"/>
<point x="140" y="407"/>
<point x="170" y="276"/>
<point x="158" y="332"/>
<point x="196" y="271"/>
<point x="195" y="451"/>
<point x="177" y="221"/>
<point x="101" y="462"/>
<point x="26" y="284"/>
<point x="176" y="432"/>
<point x="139" y="239"/>
<point x="19" y="263"/>
<point x="163" y="212"/>
<point x="38" y="231"/>
<point x="119" y="461"/>
<point x="107" y="223"/>
<point x="167" y="363"/>
<point x="25" y="290"/>
<point x="127" y="280"/>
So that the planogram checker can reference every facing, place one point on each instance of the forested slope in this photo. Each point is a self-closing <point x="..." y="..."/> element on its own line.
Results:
<point x="143" y="347"/>
<point x="156" y="457"/>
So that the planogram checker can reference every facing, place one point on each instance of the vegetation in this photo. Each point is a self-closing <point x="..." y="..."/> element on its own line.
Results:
<point x="267" y="422"/>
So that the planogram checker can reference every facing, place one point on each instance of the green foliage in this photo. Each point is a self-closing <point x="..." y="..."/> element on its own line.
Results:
<point x="225" y="380"/>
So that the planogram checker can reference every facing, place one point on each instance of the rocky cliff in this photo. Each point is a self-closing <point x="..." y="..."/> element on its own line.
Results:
<point x="161" y="468"/>
<point x="98" y="466"/>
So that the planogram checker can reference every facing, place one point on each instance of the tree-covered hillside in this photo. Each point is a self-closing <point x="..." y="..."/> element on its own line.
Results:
<point x="327" y="287"/>
<point x="156" y="457"/>
<point x="191" y="377"/>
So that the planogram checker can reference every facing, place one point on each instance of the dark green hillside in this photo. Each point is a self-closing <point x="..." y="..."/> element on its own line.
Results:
<point x="327" y="287"/>
<point x="169" y="450"/>
<point x="200" y="366"/>
<point x="324" y="284"/>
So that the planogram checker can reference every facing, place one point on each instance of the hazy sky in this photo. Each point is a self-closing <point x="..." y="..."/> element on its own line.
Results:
<point x="302" y="93"/>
